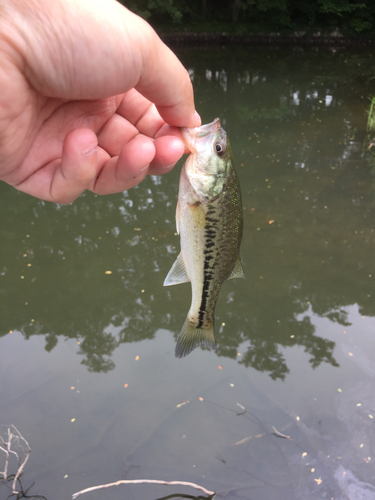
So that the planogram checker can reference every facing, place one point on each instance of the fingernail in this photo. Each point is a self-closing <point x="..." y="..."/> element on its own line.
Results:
<point x="90" y="150"/>
<point x="144" y="168"/>
<point x="197" y="119"/>
<point x="169" y="167"/>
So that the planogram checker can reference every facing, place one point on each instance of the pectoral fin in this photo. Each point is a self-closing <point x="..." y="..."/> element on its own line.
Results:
<point x="197" y="214"/>
<point x="178" y="215"/>
<point x="177" y="274"/>
<point x="237" y="270"/>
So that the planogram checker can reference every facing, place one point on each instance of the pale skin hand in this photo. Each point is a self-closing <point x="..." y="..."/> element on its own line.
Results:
<point x="90" y="98"/>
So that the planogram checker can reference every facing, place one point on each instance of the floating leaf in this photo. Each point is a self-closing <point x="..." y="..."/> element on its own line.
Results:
<point x="183" y="403"/>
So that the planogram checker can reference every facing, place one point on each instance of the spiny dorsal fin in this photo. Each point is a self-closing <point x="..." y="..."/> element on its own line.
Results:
<point x="237" y="270"/>
<point x="177" y="273"/>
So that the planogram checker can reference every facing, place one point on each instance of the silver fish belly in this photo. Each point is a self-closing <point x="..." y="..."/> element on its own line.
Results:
<point x="209" y="220"/>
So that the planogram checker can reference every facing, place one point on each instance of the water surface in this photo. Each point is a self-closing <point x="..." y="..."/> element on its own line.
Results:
<point x="87" y="331"/>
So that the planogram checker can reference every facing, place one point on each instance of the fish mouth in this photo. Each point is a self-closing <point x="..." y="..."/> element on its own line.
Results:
<point x="192" y="135"/>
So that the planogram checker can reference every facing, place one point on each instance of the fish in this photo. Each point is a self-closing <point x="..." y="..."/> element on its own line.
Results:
<point x="209" y="220"/>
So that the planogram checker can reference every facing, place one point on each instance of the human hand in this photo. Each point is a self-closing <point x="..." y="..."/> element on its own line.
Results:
<point x="90" y="98"/>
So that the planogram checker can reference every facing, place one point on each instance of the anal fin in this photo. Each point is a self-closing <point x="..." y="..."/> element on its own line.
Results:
<point x="177" y="273"/>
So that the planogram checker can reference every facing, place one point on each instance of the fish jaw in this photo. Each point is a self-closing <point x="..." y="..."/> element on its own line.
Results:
<point x="192" y="136"/>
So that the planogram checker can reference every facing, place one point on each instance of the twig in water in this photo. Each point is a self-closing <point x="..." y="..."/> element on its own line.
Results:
<point x="249" y="438"/>
<point x="245" y="410"/>
<point x="279" y="434"/>
<point x="13" y="434"/>
<point x="219" y="457"/>
<point x="146" y="481"/>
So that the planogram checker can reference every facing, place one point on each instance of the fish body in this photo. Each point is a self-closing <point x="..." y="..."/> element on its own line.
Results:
<point x="209" y="221"/>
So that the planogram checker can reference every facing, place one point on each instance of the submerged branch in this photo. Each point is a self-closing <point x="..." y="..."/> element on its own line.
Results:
<point x="13" y="435"/>
<point x="146" y="481"/>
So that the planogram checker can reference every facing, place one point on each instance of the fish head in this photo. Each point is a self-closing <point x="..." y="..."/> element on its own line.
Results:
<point x="210" y="162"/>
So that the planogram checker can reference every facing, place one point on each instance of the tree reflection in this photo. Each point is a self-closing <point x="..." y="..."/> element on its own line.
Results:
<point x="93" y="271"/>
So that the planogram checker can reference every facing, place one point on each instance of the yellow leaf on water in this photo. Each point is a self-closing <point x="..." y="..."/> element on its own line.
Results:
<point x="200" y="399"/>
<point x="137" y="358"/>
<point x="318" y="481"/>
<point x="183" y="403"/>
<point x="73" y="420"/>
<point x="108" y="272"/>
<point x="244" y="440"/>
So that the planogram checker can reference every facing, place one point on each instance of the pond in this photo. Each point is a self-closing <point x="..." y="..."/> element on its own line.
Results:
<point x="285" y="408"/>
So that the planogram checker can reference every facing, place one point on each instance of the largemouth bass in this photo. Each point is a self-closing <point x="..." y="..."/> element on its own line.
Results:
<point x="209" y="221"/>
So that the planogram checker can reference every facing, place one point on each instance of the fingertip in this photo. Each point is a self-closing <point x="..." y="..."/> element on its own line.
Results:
<point x="196" y="120"/>
<point x="177" y="117"/>
<point x="169" y="150"/>
<point x="81" y="141"/>
<point x="134" y="161"/>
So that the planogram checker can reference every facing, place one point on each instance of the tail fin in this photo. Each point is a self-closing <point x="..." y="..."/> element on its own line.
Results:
<point x="192" y="337"/>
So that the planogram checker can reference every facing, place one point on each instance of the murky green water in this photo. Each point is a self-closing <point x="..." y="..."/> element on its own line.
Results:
<point x="87" y="368"/>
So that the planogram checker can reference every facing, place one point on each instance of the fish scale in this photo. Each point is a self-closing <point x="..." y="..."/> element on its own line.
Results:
<point x="209" y="220"/>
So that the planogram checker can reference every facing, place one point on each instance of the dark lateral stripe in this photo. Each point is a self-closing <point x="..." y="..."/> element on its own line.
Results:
<point x="202" y="308"/>
<point x="210" y="235"/>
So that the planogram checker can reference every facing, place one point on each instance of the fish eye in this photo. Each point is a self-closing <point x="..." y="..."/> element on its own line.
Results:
<point x="220" y="148"/>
